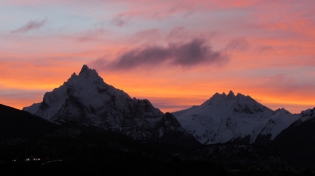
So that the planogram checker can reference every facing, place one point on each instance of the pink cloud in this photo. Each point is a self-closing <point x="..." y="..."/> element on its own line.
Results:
<point x="260" y="36"/>
<point x="149" y="35"/>
<point x="93" y="35"/>
<point x="119" y="20"/>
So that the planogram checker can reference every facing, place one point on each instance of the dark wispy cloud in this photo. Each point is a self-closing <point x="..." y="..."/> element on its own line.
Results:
<point x="119" y="21"/>
<point x="149" y="35"/>
<point x="240" y="44"/>
<point x="93" y="35"/>
<point x="264" y="49"/>
<point x="32" y="25"/>
<point x="188" y="54"/>
<point x="178" y="31"/>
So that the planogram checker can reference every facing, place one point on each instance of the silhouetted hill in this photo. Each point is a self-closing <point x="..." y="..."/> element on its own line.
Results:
<point x="18" y="123"/>
<point x="297" y="142"/>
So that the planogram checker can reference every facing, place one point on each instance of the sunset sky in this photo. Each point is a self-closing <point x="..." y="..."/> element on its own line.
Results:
<point x="176" y="53"/>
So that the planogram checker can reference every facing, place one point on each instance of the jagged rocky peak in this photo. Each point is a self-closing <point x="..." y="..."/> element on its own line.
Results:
<point x="86" y="76"/>
<point x="231" y="95"/>
<point x="217" y="96"/>
<point x="307" y="115"/>
<point x="281" y="110"/>
<point x="87" y="71"/>
<point x="74" y="75"/>
<point x="238" y="103"/>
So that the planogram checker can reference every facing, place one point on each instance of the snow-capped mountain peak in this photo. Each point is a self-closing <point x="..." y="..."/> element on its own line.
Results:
<point x="230" y="104"/>
<point x="87" y="99"/>
<point x="225" y="118"/>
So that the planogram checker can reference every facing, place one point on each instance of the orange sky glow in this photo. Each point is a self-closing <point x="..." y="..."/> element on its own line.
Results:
<point x="174" y="53"/>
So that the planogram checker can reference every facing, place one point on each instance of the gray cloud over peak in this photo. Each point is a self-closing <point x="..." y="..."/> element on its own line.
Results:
<point x="188" y="54"/>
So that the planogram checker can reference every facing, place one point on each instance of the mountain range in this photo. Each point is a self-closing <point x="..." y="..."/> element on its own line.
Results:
<point x="224" y="118"/>
<point x="225" y="127"/>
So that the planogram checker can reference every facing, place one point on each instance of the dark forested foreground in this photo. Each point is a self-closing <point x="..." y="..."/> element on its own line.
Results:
<point x="30" y="145"/>
<point x="99" y="152"/>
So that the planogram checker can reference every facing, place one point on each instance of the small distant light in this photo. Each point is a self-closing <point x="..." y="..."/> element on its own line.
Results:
<point x="27" y="159"/>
